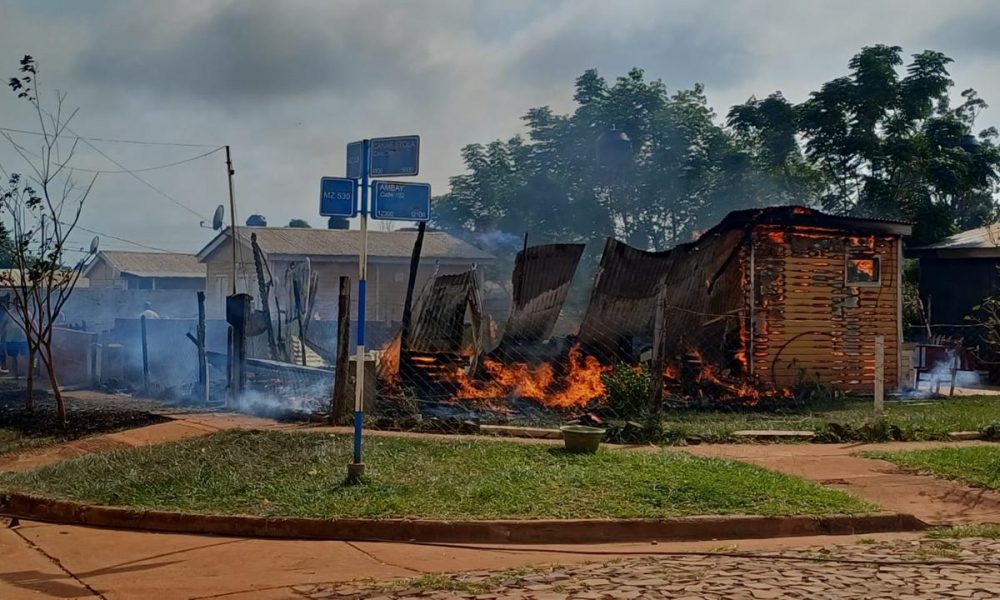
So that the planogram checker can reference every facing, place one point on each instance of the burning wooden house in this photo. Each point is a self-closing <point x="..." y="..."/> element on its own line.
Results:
<point x="765" y="300"/>
<point x="771" y="296"/>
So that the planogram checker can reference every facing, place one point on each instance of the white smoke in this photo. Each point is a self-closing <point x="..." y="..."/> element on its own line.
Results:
<point x="940" y="376"/>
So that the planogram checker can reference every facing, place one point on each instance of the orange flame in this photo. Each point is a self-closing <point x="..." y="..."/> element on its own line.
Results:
<point x="388" y="364"/>
<point x="577" y="386"/>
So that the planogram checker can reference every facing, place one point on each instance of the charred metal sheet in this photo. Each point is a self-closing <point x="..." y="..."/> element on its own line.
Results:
<point x="623" y="302"/>
<point x="439" y="317"/>
<point x="704" y="298"/>
<point x="542" y="276"/>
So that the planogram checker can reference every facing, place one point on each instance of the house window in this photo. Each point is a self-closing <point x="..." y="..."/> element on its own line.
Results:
<point x="863" y="269"/>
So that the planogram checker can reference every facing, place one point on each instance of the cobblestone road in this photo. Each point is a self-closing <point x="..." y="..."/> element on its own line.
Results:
<point x="900" y="570"/>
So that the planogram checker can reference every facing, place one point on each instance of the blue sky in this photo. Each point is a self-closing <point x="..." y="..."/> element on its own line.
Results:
<point x="289" y="83"/>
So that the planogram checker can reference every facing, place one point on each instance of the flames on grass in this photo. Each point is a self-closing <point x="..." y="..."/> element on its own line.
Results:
<point x="574" y="383"/>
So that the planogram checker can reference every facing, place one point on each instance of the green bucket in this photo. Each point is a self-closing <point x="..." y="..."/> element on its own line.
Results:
<point x="581" y="438"/>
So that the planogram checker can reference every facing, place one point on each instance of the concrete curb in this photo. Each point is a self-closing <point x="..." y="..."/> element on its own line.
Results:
<point x="575" y="531"/>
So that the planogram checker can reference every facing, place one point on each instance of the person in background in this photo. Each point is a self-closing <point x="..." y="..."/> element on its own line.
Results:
<point x="149" y="313"/>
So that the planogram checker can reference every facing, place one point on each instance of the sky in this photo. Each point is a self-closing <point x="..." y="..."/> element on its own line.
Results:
<point x="288" y="84"/>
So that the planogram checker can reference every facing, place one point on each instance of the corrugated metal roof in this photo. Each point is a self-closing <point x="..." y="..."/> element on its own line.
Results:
<point x="298" y="241"/>
<point x="542" y="276"/>
<point x="987" y="237"/>
<point x="805" y="216"/>
<point x="151" y="264"/>
<point x="12" y="277"/>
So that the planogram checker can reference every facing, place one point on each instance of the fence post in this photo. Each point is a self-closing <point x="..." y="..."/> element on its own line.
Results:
<point x="145" y="355"/>
<point x="656" y="365"/>
<point x="340" y="409"/>
<point x="879" y="375"/>
<point x="202" y="353"/>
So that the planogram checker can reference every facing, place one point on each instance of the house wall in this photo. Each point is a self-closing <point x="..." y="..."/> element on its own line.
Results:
<point x="218" y="277"/>
<point x="133" y="282"/>
<point x="103" y="275"/>
<point x="808" y="322"/>
<point x="386" y="282"/>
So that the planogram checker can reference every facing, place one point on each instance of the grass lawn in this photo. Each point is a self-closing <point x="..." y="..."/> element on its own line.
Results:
<point x="301" y="474"/>
<point x="916" y="420"/>
<point x="12" y="441"/>
<point x="978" y="465"/>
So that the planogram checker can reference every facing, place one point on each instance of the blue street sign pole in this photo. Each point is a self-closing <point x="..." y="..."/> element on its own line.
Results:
<point x="357" y="469"/>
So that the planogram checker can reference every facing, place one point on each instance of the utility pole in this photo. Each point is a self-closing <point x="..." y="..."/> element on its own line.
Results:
<point x="232" y="211"/>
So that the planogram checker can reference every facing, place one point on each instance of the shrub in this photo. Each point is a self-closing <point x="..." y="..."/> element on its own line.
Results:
<point x="626" y="390"/>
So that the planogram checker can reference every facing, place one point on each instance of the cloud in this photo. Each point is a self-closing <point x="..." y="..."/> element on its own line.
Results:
<point x="248" y="51"/>
<point x="691" y="43"/>
<point x="289" y="83"/>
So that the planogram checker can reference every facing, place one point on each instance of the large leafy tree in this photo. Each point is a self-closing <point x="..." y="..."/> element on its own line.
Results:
<point x="887" y="141"/>
<point x="681" y="172"/>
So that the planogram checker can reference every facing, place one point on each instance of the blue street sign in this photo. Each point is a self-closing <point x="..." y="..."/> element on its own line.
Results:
<point x="336" y="197"/>
<point x="395" y="156"/>
<point x="397" y="201"/>
<point x="354" y="160"/>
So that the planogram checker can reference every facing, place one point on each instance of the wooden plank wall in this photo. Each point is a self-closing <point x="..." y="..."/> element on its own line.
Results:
<point x="805" y="323"/>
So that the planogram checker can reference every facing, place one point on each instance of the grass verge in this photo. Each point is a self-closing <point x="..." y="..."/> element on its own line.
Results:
<point x="978" y="465"/>
<point x="981" y="530"/>
<point x="12" y="440"/>
<point x="843" y="420"/>
<point x="302" y="474"/>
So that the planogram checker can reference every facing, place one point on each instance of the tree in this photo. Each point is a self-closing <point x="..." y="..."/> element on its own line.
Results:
<point x="683" y="173"/>
<point x="41" y="211"/>
<point x="887" y="144"/>
<point x="301" y="223"/>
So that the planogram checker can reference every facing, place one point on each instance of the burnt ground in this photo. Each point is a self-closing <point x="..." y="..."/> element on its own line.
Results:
<point x="85" y="416"/>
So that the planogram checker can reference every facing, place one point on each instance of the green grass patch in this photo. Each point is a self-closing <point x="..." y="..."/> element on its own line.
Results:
<point x="12" y="440"/>
<point x="978" y="465"/>
<point x="848" y="419"/>
<point x="302" y="474"/>
<point x="982" y="530"/>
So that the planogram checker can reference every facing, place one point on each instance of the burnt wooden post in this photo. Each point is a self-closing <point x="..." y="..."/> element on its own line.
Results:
<point x="202" y="353"/>
<point x="404" y="330"/>
<point x="879" y="375"/>
<point x="238" y="310"/>
<point x="340" y="408"/>
<point x="265" y="293"/>
<point x="145" y="354"/>
<point x="657" y="364"/>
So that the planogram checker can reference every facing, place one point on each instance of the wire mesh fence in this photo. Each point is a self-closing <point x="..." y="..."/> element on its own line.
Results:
<point x="741" y="319"/>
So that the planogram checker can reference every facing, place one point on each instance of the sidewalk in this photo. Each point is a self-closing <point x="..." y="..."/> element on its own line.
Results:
<point x="930" y="499"/>
<point x="53" y="561"/>
<point x="125" y="565"/>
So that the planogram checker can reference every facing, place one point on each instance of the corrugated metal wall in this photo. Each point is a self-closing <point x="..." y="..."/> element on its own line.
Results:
<point x="808" y="321"/>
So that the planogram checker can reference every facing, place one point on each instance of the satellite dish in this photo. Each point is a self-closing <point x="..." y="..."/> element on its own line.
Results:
<point x="94" y="243"/>
<point x="220" y="212"/>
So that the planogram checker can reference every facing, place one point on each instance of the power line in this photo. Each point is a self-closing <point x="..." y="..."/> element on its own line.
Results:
<point x="143" y="181"/>
<point x="111" y="140"/>
<point x="121" y="239"/>
<point x="118" y="164"/>
<point x="112" y="172"/>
